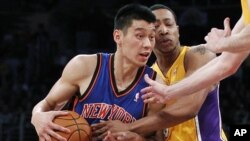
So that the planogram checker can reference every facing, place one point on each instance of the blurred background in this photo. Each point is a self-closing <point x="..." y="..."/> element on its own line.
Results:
<point x="38" y="38"/>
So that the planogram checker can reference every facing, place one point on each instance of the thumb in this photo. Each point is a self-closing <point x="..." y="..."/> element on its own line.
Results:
<point x="148" y="80"/>
<point x="227" y="27"/>
<point x="60" y="113"/>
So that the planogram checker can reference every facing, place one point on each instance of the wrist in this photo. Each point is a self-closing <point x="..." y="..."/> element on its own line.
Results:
<point x="222" y="45"/>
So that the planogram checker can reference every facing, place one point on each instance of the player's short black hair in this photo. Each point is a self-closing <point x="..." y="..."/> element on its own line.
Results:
<point x="130" y="12"/>
<point x="161" y="6"/>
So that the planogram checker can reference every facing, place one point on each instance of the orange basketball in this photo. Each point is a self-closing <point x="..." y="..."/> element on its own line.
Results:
<point x="80" y="130"/>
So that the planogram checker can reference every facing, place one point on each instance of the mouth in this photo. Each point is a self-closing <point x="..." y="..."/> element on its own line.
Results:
<point x="145" y="54"/>
<point x="165" y="42"/>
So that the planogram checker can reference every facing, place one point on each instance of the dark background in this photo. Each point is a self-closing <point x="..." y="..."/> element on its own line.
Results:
<point x="38" y="38"/>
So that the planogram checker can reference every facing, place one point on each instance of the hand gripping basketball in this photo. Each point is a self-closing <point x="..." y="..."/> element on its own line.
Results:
<point x="79" y="128"/>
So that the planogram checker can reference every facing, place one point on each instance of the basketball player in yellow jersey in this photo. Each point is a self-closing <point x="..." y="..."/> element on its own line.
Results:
<point x="190" y="118"/>
<point x="173" y="63"/>
<point x="234" y="48"/>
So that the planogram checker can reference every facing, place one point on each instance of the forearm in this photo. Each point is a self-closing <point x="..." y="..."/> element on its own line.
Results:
<point x="174" y="112"/>
<point x="146" y="125"/>
<point x="214" y="71"/>
<point x="159" y="121"/>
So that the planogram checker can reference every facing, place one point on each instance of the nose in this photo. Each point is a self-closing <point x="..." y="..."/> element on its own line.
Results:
<point x="147" y="43"/>
<point x="163" y="30"/>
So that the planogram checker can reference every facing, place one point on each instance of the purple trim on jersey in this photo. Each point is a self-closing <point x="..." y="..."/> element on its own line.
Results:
<point x="209" y="118"/>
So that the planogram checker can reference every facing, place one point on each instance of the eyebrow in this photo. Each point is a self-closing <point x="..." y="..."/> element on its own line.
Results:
<point x="165" y="19"/>
<point x="143" y="28"/>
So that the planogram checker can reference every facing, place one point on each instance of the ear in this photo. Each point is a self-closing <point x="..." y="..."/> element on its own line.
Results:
<point x="178" y="29"/>
<point x="117" y="36"/>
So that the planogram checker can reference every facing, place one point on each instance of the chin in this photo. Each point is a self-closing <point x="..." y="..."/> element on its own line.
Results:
<point x="140" y="64"/>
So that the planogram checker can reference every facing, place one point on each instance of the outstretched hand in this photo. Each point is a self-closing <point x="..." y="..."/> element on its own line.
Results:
<point x="155" y="92"/>
<point x="215" y="37"/>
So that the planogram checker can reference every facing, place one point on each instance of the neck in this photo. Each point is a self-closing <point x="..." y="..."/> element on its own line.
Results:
<point x="166" y="60"/>
<point x="124" y="71"/>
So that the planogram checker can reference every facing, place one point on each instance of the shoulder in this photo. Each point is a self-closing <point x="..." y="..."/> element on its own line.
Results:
<point x="82" y="61"/>
<point x="80" y="67"/>
<point x="197" y="56"/>
<point x="200" y="51"/>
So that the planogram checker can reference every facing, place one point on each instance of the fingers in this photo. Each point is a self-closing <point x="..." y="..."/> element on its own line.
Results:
<point x="55" y="135"/>
<point x="148" y="80"/>
<point x="47" y="137"/>
<point x="51" y="133"/>
<point x="99" y="130"/>
<point x="59" y="128"/>
<point x="109" y="137"/>
<point x="97" y="126"/>
<point x="151" y="100"/>
<point x="227" y="27"/>
<point x="55" y="127"/>
<point x="101" y="136"/>
<point x="206" y="39"/>
<point x="146" y="95"/>
<point x="46" y="128"/>
<point x="146" y="90"/>
<point x="119" y="136"/>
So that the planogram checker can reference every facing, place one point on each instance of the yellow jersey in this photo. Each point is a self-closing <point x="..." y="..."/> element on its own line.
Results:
<point x="245" y="11"/>
<point x="207" y="124"/>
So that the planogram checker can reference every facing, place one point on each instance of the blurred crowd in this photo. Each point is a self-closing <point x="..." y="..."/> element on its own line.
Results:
<point x="37" y="39"/>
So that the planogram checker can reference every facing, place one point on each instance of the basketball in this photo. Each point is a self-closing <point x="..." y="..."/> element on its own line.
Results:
<point x="80" y="130"/>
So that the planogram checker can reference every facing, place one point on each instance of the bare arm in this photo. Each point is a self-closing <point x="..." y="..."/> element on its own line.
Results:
<point x="77" y="71"/>
<point x="44" y="112"/>
<point x="180" y="110"/>
<point x="240" y="40"/>
<point x="183" y="108"/>
<point x="237" y="42"/>
<point x="217" y="69"/>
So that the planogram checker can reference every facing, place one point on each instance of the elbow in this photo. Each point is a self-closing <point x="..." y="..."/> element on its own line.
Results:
<point x="230" y="69"/>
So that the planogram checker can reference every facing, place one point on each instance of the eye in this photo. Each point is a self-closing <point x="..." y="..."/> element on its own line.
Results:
<point x="139" y="36"/>
<point x="152" y="37"/>
<point x="157" y="26"/>
<point x="169" y="24"/>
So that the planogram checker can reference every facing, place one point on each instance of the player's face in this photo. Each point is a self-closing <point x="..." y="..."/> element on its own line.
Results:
<point x="137" y="43"/>
<point x="167" y="31"/>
